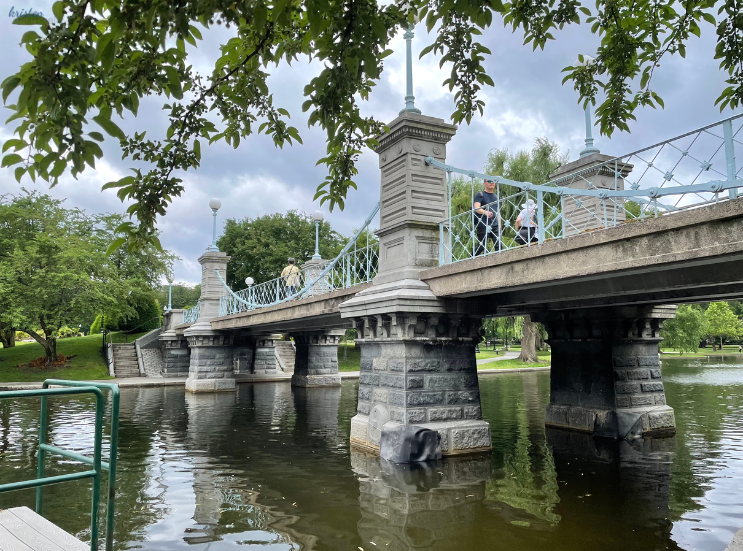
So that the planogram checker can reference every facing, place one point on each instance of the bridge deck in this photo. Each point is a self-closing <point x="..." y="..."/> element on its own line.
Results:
<point x="23" y="530"/>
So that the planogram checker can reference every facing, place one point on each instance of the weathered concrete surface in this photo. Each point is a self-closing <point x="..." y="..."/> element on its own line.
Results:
<point x="300" y="315"/>
<point x="693" y="255"/>
<point x="737" y="543"/>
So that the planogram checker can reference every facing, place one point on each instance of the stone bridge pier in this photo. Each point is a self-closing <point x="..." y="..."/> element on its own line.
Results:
<point x="417" y="352"/>
<point x="606" y="376"/>
<point x="211" y="352"/>
<point x="316" y="362"/>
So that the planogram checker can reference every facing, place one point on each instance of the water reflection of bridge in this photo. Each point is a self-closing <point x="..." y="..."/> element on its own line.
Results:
<point x="258" y="464"/>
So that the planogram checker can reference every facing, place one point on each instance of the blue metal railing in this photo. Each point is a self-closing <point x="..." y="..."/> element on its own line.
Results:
<point x="192" y="314"/>
<point x="662" y="179"/>
<point x="356" y="264"/>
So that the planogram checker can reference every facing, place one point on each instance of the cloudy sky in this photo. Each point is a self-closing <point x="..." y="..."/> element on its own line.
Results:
<point x="528" y="101"/>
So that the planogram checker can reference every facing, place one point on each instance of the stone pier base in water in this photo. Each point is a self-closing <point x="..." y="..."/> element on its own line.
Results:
<point x="316" y="362"/>
<point x="606" y="376"/>
<point x="420" y="370"/>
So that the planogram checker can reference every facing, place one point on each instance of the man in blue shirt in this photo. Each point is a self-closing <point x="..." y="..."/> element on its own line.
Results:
<point x="487" y="217"/>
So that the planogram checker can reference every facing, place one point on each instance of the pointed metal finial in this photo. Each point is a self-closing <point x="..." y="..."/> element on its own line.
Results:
<point x="590" y="149"/>
<point x="409" y="97"/>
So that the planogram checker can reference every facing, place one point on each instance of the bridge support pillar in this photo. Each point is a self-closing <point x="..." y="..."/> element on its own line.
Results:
<point x="420" y="369"/>
<point x="210" y="366"/>
<point x="316" y="363"/>
<point x="265" y="355"/>
<point x="606" y="375"/>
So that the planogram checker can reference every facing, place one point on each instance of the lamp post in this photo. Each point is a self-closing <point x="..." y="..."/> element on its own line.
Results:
<point x="249" y="282"/>
<point x="409" y="97"/>
<point x="317" y="217"/>
<point x="590" y="149"/>
<point x="215" y="205"/>
<point x="170" y="294"/>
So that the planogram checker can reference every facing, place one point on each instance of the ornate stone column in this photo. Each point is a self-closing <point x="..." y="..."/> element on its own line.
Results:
<point x="316" y="363"/>
<point x="210" y="366"/>
<point x="417" y="352"/>
<point x="590" y="172"/>
<point x="606" y="375"/>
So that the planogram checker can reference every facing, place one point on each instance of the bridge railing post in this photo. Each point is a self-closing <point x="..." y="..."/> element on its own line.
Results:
<point x="727" y="130"/>
<point x="540" y="216"/>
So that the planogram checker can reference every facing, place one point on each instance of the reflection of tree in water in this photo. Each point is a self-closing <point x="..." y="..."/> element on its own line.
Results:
<point x="707" y="397"/>
<point x="524" y="478"/>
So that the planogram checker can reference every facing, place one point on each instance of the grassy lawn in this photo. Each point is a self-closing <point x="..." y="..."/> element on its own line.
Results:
<point x="487" y="354"/>
<point x="701" y="352"/>
<point x="353" y="360"/>
<point x="349" y="359"/>
<point x="510" y="364"/>
<point x="87" y="364"/>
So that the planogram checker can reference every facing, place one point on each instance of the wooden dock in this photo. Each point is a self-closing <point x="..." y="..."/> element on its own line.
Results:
<point x="23" y="530"/>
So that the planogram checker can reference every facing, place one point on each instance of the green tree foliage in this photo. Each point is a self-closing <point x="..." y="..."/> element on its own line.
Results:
<point x="55" y="271"/>
<point x="533" y="166"/>
<point x="686" y="330"/>
<point x="97" y="324"/>
<point x="259" y="247"/>
<point x="184" y="295"/>
<point x="51" y="273"/>
<point x="147" y="312"/>
<point x="722" y="322"/>
<point x="97" y="58"/>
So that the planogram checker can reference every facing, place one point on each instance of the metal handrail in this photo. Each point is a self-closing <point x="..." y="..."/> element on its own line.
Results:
<point x="190" y="315"/>
<point x="599" y="199"/>
<point x="231" y="302"/>
<point x="75" y="388"/>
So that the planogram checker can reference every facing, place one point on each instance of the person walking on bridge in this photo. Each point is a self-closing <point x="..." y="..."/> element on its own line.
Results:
<point x="487" y="218"/>
<point x="290" y="274"/>
<point x="525" y="224"/>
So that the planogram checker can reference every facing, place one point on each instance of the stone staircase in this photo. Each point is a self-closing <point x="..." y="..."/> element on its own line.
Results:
<point x="285" y="353"/>
<point x="125" y="360"/>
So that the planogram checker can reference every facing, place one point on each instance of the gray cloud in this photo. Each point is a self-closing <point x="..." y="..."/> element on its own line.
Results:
<point x="528" y="101"/>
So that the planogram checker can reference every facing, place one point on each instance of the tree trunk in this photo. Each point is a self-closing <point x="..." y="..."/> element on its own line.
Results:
<point x="529" y="341"/>
<point x="7" y="335"/>
<point x="714" y="344"/>
<point x="49" y="344"/>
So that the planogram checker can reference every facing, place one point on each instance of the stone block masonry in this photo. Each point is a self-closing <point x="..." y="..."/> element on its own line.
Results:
<point x="265" y="355"/>
<point x="210" y="367"/>
<point x="176" y="356"/>
<point x="316" y="361"/>
<point x="429" y="379"/>
<point x="606" y="374"/>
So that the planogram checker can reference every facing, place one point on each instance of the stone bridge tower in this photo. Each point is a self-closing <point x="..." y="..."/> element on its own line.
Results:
<point x="417" y="352"/>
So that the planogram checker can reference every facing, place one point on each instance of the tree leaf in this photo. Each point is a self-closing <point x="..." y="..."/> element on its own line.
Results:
<point x="115" y="245"/>
<point x="11" y="159"/>
<point x="110" y="127"/>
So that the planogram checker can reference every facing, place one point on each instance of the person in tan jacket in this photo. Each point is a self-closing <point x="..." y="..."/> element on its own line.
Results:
<point x="291" y="278"/>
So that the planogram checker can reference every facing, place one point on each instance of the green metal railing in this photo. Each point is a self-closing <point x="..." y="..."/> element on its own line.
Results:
<point x="73" y="388"/>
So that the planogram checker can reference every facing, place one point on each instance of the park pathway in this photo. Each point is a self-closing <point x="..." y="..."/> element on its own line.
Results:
<point x="509" y="355"/>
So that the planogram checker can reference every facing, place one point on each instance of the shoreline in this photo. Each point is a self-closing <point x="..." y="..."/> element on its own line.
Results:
<point x="148" y="382"/>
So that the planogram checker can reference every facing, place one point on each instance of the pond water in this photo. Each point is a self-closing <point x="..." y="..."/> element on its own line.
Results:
<point x="270" y="468"/>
